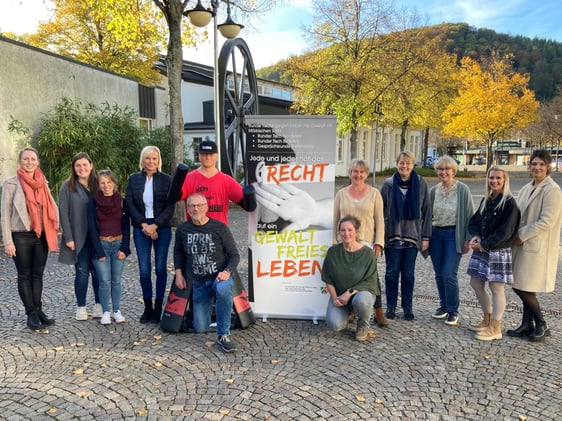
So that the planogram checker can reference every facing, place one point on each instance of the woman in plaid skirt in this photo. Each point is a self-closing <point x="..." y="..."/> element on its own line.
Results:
<point x="493" y="227"/>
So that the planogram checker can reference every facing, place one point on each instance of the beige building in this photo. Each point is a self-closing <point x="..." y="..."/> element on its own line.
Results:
<point x="33" y="81"/>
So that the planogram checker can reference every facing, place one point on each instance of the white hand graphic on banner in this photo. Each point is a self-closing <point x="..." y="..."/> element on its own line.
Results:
<point x="293" y="205"/>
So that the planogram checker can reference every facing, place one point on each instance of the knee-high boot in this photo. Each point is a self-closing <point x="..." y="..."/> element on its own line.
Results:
<point x="541" y="328"/>
<point x="147" y="315"/>
<point x="527" y="326"/>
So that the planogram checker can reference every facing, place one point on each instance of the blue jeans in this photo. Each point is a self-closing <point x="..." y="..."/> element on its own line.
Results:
<point x="446" y="260"/>
<point x="400" y="263"/>
<point x="109" y="272"/>
<point x="84" y="268"/>
<point x="143" y="244"/>
<point x="204" y="293"/>
<point x="362" y="303"/>
<point x="30" y="259"/>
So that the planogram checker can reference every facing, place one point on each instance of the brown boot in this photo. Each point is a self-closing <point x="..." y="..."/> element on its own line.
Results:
<point x="379" y="317"/>
<point x="483" y="325"/>
<point x="494" y="331"/>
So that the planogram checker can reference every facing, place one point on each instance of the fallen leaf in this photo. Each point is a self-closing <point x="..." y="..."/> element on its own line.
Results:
<point x="224" y="411"/>
<point x="371" y="334"/>
<point x="209" y="344"/>
<point x="78" y="371"/>
<point x="136" y="343"/>
<point x="82" y="394"/>
<point x="274" y="361"/>
<point x="379" y="401"/>
<point x="522" y="417"/>
<point x="52" y="411"/>
<point x="487" y="357"/>
<point x="154" y="343"/>
<point x="143" y="340"/>
<point x="229" y="381"/>
<point x="157" y="364"/>
<point x="157" y="337"/>
<point x="58" y="348"/>
<point x="360" y="398"/>
<point x="78" y="344"/>
<point x="142" y="411"/>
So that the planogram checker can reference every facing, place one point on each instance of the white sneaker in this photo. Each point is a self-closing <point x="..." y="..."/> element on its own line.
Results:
<point x="98" y="311"/>
<point x="118" y="317"/>
<point x="81" y="313"/>
<point x="106" y="318"/>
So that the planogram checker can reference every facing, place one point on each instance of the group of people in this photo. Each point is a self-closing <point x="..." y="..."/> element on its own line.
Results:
<point x="95" y="223"/>
<point x="514" y="241"/>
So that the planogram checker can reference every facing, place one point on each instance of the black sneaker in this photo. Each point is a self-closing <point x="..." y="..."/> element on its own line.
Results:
<point x="225" y="344"/>
<point x="452" y="319"/>
<point x="440" y="313"/>
<point x="409" y="315"/>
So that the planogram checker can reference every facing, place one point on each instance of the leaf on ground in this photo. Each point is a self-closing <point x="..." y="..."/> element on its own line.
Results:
<point x="52" y="411"/>
<point x="157" y="337"/>
<point x="142" y="411"/>
<point x="209" y="344"/>
<point x="136" y="343"/>
<point x="78" y="371"/>
<point x="157" y="364"/>
<point x="371" y="334"/>
<point x="229" y="381"/>
<point x="360" y="398"/>
<point x="82" y="394"/>
<point x="77" y="344"/>
<point x="142" y="340"/>
<point x="224" y="411"/>
<point x="487" y="357"/>
<point x="379" y="401"/>
<point x="274" y="361"/>
<point x="58" y="348"/>
<point x="522" y="418"/>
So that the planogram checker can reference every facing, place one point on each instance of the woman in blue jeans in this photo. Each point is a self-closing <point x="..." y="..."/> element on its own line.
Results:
<point x="407" y="222"/>
<point x="451" y="203"/>
<point x="151" y="217"/>
<point x="75" y="248"/>
<point x="109" y="232"/>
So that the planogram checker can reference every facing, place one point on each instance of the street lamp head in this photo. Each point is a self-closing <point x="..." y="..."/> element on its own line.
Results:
<point x="199" y="16"/>
<point x="230" y="29"/>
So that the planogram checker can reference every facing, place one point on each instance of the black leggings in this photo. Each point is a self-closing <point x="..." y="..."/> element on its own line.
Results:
<point x="529" y="300"/>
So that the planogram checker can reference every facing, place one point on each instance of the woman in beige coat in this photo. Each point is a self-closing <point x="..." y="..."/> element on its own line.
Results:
<point x="535" y="250"/>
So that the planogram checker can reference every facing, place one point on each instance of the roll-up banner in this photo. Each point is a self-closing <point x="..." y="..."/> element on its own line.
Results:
<point x="290" y="160"/>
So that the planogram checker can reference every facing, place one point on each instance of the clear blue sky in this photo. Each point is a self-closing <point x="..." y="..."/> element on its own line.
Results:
<point x="278" y="34"/>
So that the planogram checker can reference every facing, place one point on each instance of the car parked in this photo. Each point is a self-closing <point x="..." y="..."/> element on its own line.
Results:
<point x="479" y="160"/>
<point x="556" y="164"/>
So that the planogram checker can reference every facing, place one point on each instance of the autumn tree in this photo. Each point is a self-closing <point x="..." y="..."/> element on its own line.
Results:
<point x="492" y="100"/>
<point x="340" y="76"/>
<point x="126" y="36"/>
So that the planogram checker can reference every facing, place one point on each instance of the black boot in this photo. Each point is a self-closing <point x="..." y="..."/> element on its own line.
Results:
<point x="541" y="328"/>
<point x="527" y="326"/>
<point x="147" y="315"/>
<point x="45" y="320"/>
<point x="33" y="321"/>
<point x="157" y="313"/>
<point x="390" y="313"/>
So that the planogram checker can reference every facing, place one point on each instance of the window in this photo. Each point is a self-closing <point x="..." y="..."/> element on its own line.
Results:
<point x="195" y="147"/>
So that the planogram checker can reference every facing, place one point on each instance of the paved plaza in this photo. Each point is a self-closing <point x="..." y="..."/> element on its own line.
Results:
<point x="283" y="370"/>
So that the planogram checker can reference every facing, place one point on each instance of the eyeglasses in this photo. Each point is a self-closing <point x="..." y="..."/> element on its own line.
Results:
<point x="444" y="169"/>
<point x="197" y="205"/>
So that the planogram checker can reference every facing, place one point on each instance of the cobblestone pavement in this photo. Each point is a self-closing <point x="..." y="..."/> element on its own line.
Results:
<point x="283" y="370"/>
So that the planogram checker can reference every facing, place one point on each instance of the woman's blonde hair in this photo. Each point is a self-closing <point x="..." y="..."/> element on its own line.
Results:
<point x="406" y="154"/>
<point x="358" y="163"/>
<point x="446" y="162"/>
<point x="149" y="149"/>
<point x="506" y="192"/>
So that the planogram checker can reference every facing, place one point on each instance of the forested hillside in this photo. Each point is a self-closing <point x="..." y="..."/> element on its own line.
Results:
<point x="541" y="58"/>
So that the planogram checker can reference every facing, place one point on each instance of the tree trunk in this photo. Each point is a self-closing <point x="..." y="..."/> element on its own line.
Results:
<point x="353" y="143"/>
<point x="403" y="135"/>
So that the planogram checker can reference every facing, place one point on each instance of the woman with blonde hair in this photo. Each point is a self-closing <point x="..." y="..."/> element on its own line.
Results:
<point x="493" y="228"/>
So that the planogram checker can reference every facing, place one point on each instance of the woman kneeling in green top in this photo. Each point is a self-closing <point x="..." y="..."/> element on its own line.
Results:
<point x="350" y="274"/>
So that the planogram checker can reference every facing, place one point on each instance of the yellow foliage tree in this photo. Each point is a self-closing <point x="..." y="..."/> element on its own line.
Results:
<point x="125" y="36"/>
<point x="490" y="103"/>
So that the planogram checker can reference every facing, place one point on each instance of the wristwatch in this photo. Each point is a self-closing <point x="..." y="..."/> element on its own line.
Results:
<point x="351" y="291"/>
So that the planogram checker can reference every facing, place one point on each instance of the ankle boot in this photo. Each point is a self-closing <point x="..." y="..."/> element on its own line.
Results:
<point x="33" y="321"/>
<point x="526" y="328"/>
<point x="390" y="313"/>
<point x="44" y="319"/>
<point x="541" y="328"/>
<point x="483" y="325"/>
<point x="157" y="312"/>
<point x="379" y="317"/>
<point x="147" y="315"/>
<point x="494" y="331"/>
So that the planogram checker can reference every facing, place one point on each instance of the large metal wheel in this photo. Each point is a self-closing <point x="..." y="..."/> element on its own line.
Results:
<point x="238" y="97"/>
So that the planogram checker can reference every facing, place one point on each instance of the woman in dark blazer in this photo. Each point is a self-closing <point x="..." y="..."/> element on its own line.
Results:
<point x="151" y="217"/>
